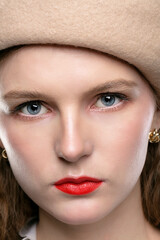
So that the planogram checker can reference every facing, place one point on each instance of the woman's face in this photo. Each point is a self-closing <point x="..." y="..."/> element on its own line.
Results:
<point x="93" y="117"/>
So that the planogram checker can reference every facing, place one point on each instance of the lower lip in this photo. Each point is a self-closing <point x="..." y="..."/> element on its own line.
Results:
<point x="78" y="188"/>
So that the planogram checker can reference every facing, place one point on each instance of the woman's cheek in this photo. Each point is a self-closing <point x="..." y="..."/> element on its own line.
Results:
<point x="25" y="141"/>
<point x="124" y="138"/>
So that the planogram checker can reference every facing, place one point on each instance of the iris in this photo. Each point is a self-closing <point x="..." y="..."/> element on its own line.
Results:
<point x="34" y="108"/>
<point x="108" y="100"/>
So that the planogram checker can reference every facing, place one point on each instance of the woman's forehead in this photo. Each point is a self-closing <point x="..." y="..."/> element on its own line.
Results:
<point x="70" y="64"/>
<point x="32" y="55"/>
<point x="48" y="50"/>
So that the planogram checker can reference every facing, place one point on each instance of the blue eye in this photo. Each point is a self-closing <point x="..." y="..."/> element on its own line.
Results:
<point x="108" y="100"/>
<point x="31" y="108"/>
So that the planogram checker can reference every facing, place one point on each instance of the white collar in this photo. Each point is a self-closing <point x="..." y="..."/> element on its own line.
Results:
<point x="28" y="232"/>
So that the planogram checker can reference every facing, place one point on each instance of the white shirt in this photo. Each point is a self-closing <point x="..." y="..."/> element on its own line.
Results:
<point x="28" y="232"/>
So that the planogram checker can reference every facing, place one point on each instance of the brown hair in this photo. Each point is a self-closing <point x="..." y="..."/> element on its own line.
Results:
<point x="16" y="207"/>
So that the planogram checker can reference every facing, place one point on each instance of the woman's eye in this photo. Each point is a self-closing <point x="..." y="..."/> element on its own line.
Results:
<point x="31" y="108"/>
<point x="109" y="100"/>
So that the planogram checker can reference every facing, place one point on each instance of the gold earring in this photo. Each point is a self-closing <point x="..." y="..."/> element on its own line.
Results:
<point x="154" y="137"/>
<point x="4" y="154"/>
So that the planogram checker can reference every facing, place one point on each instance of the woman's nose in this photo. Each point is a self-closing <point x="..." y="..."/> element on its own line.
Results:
<point x="73" y="143"/>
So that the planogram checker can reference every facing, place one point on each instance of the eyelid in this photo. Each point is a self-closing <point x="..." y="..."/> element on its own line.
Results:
<point x="117" y="94"/>
<point x="112" y="93"/>
<point x="24" y="104"/>
<point x="124" y="98"/>
<point x="17" y="113"/>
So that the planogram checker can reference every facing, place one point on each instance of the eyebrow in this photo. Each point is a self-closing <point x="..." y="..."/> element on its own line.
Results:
<point x="118" y="84"/>
<point x="109" y="85"/>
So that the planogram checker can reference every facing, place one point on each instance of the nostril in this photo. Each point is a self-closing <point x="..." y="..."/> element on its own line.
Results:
<point x="72" y="153"/>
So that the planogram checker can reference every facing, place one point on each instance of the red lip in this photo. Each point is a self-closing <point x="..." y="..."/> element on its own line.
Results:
<point x="77" y="180"/>
<point x="78" y="186"/>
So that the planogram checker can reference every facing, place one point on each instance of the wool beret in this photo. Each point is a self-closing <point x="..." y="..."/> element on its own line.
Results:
<point x="127" y="29"/>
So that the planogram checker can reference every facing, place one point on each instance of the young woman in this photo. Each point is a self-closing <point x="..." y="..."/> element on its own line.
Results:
<point x="79" y="138"/>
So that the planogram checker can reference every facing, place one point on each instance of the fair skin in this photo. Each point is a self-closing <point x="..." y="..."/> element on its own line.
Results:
<point x="78" y="134"/>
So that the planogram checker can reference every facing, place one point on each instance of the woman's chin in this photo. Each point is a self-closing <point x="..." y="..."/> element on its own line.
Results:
<point x="78" y="219"/>
<point x="78" y="215"/>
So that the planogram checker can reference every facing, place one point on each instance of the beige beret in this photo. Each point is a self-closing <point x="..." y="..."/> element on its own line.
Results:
<point x="127" y="29"/>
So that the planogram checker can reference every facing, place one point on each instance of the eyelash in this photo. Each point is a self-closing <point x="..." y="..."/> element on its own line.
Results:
<point x="122" y="97"/>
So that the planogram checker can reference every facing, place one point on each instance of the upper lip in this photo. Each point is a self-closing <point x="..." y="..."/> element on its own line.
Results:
<point x="77" y="180"/>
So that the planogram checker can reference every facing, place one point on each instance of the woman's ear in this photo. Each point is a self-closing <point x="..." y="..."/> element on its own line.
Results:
<point x="156" y="119"/>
